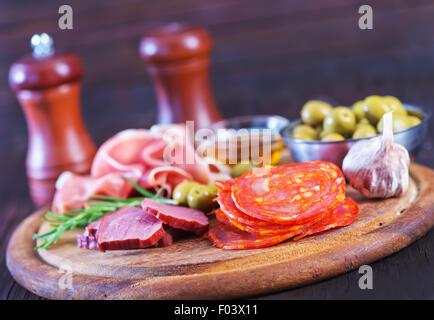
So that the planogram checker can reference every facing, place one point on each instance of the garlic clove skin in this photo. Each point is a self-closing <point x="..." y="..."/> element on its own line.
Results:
<point x="378" y="168"/>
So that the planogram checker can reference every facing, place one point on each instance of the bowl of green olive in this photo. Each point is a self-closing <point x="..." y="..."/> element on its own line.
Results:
<point x="327" y="133"/>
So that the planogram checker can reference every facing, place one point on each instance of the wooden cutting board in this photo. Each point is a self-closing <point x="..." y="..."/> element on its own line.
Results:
<point x="192" y="269"/>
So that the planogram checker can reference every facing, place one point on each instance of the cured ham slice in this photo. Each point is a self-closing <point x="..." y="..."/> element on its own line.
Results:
<point x="180" y="152"/>
<point x="123" y="152"/>
<point x="92" y="228"/>
<point x="129" y="228"/>
<point x="73" y="190"/>
<point x="178" y="217"/>
<point x="170" y="236"/>
<point x="88" y="240"/>
<point x="166" y="177"/>
<point x="158" y="158"/>
<point x="139" y="149"/>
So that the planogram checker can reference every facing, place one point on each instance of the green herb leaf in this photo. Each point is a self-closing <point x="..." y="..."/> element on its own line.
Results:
<point x="142" y="191"/>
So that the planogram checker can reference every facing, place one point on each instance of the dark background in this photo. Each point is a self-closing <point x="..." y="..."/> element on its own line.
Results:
<point x="269" y="57"/>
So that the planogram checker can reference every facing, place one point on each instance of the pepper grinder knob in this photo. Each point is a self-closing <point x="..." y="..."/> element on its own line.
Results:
<point x="47" y="85"/>
<point x="177" y="58"/>
<point x="42" y="45"/>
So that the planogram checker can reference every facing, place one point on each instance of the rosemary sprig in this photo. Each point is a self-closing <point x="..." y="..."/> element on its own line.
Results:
<point x="97" y="207"/>
<point x="142" y="191"/>
<point x="147" y="194"/>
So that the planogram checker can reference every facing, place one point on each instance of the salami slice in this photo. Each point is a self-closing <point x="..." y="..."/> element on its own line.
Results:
<point x="227" y="205"/>
<point x="230" y="238"/>
<point x="220" y="216"/>
<point x="295" y="193"/>
<point x="274" y="229"/>
<point x="224" y="184"/>
<point x="230" y="215"/>
<point x="343" y="215"/>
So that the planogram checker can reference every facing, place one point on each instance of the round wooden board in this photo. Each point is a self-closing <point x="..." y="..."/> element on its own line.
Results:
<point x="192" y="269"/>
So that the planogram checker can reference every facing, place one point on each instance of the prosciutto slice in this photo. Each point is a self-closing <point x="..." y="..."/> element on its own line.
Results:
<point x="177" y="217"/>
<point x="73" y="190"/>
<point x="123" y="152"/>
<point x="160" y="157"/>
<point x="129" y="228"/>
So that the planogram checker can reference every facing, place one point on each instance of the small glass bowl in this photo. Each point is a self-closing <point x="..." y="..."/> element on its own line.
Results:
<point x="260" y="122"/>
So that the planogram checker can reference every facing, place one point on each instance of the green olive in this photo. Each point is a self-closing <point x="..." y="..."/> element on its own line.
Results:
<point x="413" y="121"/>
<point x="363" y="131"/>
<point x="399" y="122"/>
<point x="241" y="168"/>
<point x="201" y="198"/>
<point x="333" y="137"/>
<point x="181" y="191"/>
<point x="318" y="129"/>
<point x="362" y="122"/>
<point x="341" y="120"/>
<point x="375" y="107"/>
<point x="395" y="104"/>
<point x="323" y="134"/>
<point x="304" y="132"/>
<point x="314" y="112"/>
<point x="358" y="110"/>
<point x="213" y="187"/>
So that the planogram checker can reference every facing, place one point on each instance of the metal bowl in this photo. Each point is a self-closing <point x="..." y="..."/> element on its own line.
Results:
<point x="335" y="151"/>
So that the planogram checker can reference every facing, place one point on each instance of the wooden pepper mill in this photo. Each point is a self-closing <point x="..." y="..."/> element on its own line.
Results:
<point x="177" y="59"/>
<point x="47" y="85"/>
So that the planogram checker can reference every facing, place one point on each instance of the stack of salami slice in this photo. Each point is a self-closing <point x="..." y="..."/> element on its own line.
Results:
<point x="269" y="205"/>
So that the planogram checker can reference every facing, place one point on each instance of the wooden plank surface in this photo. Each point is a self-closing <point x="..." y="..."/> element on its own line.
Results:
<point x="192" y="269"/>
<point x="303" y="49"/>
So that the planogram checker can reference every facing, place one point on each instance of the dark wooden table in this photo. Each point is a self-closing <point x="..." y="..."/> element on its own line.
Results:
<point x="269" y="57"/>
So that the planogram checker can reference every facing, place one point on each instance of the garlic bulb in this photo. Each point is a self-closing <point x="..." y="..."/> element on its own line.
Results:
<point x="378" y="168"/>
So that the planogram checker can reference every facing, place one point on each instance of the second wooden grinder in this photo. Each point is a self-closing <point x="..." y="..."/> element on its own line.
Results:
<point x="177" y="58"/>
